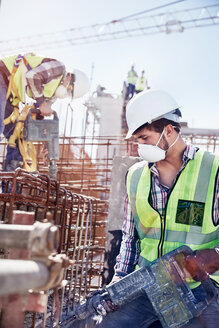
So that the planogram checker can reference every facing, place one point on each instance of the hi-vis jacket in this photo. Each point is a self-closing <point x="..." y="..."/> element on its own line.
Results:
<point x="141" y="83"/>
<point x="132" y="77"/>
<point x="188" y="214"/>
<point x="18" y="67"/>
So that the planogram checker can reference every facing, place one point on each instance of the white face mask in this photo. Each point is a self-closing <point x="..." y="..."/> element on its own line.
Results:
<point x="61" y="92"/>
<point x="152" y="153"/>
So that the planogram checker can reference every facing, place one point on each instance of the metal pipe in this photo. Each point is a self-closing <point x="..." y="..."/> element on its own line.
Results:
<point x="15" y="236"/>
<point x="17" y="276"/>
<point x="40" y="238"/>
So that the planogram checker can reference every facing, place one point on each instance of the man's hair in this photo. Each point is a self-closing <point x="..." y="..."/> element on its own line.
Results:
<point x="159" y="125"/>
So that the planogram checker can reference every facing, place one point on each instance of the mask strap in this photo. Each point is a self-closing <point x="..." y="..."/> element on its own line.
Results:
<point x="160" y="138"/>
<point x="174" y="142"/>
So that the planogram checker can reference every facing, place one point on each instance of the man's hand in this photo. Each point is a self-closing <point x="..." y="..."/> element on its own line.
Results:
<point x="105" y="306"/>
<point x="115" y="279"/>
<point x="45" y="108"/>
<point x="95" y="292"/>
<point x="202" y="263"/>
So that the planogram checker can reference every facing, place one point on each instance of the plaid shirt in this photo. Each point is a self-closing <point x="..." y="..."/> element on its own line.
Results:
<point x="38" y="76"/>
<point x="130" y="246"/>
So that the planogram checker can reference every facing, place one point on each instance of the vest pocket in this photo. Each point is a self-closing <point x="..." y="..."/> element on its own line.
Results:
<point x="190" y="213"/>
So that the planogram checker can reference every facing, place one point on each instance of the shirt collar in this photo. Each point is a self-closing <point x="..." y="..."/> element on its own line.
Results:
<point x="189" y="153"/>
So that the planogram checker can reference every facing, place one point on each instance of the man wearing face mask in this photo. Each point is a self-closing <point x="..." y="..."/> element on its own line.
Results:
<point x="40" y="78"/>
<point x="172" y="200"/>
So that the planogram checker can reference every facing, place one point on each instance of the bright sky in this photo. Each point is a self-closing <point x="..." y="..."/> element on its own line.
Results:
<point x="184" y="64"/>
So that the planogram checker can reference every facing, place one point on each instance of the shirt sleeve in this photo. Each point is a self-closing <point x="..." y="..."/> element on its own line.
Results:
<point x="216" y="201"/>
<point x="41" y="75"/>
<point x="130" y="245"/>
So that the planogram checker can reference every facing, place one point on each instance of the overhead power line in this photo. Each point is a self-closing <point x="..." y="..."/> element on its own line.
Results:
<point x="169" y="22"/>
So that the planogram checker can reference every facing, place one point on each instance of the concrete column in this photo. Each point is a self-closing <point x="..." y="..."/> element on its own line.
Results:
<point x="115" y="219"/>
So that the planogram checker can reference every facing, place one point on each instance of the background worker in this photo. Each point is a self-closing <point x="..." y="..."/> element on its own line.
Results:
<point x="131" y="80"/>
<point x="172" y="200"/>
<point x="42" y="79"/>
<point x="141" y="83"/>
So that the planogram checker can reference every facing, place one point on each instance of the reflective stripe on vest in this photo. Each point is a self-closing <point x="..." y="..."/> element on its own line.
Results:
<point x="33" y="61"/>
<point x="158" y="235"/>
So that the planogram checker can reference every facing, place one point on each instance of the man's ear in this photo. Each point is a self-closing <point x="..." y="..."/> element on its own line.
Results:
<point x="169" y="130"/>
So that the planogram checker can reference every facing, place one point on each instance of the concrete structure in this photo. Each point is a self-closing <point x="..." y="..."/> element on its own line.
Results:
<point x="110" y="113"/>
<point x="116" y="213"/>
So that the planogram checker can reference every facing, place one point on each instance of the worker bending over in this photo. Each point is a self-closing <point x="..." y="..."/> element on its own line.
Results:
<point x="42" y="79"/>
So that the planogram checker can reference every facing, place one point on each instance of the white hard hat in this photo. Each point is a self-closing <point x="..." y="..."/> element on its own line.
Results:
<point x="81" y="84"/>
<point x="149" y="106"/>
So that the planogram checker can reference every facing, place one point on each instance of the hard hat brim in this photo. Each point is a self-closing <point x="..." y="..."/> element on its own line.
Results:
<point x="128" y="135"/>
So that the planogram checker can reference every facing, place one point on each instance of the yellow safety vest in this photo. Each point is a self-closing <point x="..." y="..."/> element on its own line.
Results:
<point x="16" y="91"/>
<point x="18" y="88"/>
<point x="141" y="83"/>
<point x="131" y="79"/>
<point x="188" y="213"/>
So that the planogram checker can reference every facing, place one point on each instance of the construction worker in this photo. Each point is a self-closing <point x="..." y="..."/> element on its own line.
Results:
<point x="141" y="83"/>
<point x="42" y="79"/>
<point x="172" y="200"/>
<point x="131" y="80"/>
